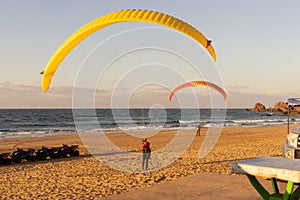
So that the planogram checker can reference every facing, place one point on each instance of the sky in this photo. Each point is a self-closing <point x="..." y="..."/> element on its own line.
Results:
<point x="257" y="45"/>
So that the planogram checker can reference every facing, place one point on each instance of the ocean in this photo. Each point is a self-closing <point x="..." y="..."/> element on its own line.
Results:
<point x="15" y="123"/>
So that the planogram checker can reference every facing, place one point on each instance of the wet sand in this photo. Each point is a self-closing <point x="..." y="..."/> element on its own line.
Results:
<point x="85" y="177"/>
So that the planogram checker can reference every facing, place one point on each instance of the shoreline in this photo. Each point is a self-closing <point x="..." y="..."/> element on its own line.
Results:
<point x="74" y="138"/>
<point x="162" y="130"/>
<point x="86" y="177"/>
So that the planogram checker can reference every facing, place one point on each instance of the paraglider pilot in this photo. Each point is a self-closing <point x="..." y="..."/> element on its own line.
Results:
<point x="146" y="153"/>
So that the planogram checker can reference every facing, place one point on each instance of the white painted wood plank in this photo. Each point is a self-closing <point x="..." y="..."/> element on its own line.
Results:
<point x="269" y="167"/>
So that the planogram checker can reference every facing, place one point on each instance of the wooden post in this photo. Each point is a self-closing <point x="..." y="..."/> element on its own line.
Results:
<point x="288" y="125"/>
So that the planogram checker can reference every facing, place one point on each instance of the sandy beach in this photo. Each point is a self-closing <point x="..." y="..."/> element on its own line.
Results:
<point x="85" y="177"/>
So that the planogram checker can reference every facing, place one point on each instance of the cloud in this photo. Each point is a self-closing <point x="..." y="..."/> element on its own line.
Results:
<point x="31" y="96"/>
<point x="239" y="87"/>
<point x="245" y="99"/>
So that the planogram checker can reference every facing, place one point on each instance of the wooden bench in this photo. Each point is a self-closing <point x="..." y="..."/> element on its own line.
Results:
<point x="273" y="168"/>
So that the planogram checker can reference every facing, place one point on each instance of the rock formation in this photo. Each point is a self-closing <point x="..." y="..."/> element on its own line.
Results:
<point x="281" y="108"/>
<point x="258" y="107"/>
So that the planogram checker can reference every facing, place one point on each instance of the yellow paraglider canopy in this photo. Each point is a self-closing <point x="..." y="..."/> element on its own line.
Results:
<point x="116" y="17"/>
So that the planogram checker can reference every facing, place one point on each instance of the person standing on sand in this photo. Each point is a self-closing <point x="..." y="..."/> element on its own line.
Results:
<point x="198" y="130"/>
<point x="146" y="152"/>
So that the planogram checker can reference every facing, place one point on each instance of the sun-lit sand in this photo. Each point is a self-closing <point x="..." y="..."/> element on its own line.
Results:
<point x="85" y="177"/>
